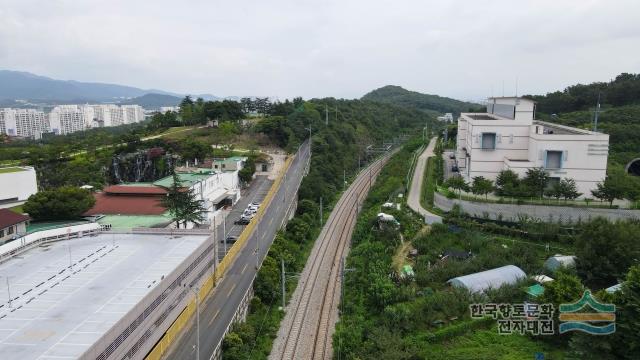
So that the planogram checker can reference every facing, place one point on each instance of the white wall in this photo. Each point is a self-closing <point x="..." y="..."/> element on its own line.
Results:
<point x="584" y="152"/>
<point x="20" y="184"/>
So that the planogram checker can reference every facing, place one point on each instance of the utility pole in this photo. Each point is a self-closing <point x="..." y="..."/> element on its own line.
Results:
<point x="320" y="211"/>
<point x="326" y="115"/>
<point x="284" y="303"/>
<point x="343" y="270"/>
<point x="70" y="261"/>
<point x="8" y="290"/>
<point x="196" y="293"/>
<point x="595" y="120"/>
<point x="258" y="245"/>
<point x="309" y="128"/>
<point x="344" y="179"/>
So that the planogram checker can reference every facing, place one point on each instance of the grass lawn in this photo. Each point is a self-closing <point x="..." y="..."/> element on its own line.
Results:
<point x="489" y="345"/>
<point x="17" y="209"/>
<point x="10" y="170"/>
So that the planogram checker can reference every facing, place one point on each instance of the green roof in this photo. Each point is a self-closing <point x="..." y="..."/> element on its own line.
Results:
<point x="11" y="170"/>
<point x="187" y="179"/>
<point x="133" y="221"/>
<point x="47" y="225"/>
<point x="535" y="290"/>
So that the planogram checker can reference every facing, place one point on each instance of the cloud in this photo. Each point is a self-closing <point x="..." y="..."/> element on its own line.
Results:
<point x="318" y="48"/>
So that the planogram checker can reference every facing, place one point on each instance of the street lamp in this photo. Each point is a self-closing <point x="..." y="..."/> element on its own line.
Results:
<point x="8" y="290"/>
<point x="196" y="292"/>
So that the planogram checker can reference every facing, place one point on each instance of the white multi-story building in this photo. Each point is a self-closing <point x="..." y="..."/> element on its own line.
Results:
<point x="23" y="122"/>
<point x="165" y="109"/>
<point x="114" y="115"/>
<point x="132" y="113"/>
<point x="67" y="119"/>
<point x="507" y="136"/>
<point x="448" y="118"/>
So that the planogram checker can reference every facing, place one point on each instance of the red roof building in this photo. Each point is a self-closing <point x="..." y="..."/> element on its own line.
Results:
<point x="11" y="224"/>
<point x="129" y="200"/>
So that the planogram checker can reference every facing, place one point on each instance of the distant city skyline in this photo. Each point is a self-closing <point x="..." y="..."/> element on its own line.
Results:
<point x="465" y="50"/>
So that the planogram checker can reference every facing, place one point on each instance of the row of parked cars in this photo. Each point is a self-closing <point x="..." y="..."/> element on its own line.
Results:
<point x="248" y="214"/>
<point x="244" y="219"/>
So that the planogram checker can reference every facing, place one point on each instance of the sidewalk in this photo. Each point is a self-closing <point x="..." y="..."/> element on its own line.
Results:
<point x="415" y="190"/>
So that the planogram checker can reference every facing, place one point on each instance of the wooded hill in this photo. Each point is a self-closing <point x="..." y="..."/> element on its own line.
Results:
<point x="433" y="104"/>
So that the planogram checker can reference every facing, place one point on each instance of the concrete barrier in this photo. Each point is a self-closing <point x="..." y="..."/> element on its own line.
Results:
<point x="512" y="212"/>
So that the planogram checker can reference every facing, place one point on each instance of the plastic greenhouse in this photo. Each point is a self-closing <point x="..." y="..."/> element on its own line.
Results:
<point x="556" y="261"/>
<point x="489" y="279"/>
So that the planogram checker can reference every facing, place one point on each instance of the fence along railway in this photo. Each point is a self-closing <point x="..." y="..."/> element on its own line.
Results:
<point x="312" y="313"/>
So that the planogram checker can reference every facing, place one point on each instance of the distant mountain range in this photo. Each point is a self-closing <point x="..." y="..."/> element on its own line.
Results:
<point x="17" y="85"/>
<point x="429" y="103"/>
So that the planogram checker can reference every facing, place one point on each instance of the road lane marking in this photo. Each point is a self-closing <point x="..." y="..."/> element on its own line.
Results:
<point x="230" y="290"/>
<point x="214" y="317"/>
<point x="244" y="268"/>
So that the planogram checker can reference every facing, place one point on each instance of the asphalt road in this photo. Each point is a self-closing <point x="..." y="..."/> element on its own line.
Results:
<point x="415" y="191"/>
<point x="218" y="309"/>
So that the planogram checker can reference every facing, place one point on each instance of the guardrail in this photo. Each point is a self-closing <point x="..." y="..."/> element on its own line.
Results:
<point x="32" y="240"/>
<point x="184" y="318"/>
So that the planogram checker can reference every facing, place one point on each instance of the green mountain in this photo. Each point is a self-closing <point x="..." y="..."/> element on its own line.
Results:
<point x="433" y="104"/>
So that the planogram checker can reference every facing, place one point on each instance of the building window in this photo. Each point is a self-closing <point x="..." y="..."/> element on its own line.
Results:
<point x="1" y="233"/>
<point x="553" y="160"/>
<point x="488" y="141"/>
<point x="10" y="230"/>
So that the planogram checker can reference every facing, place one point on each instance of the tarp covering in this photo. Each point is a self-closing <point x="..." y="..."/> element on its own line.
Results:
<point x="493" y="278"/>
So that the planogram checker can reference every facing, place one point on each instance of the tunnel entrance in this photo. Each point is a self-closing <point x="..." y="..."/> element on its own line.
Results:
<point x="633" y="167"/>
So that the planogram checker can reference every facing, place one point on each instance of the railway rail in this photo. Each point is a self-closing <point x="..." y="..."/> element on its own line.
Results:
<point x="312" y="313"/>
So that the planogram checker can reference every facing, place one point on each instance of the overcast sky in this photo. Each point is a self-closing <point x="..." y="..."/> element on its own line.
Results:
<point x="339" y="48"/>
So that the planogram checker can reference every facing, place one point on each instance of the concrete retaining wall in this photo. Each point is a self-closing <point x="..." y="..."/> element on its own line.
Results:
<point x="512" y="212"/>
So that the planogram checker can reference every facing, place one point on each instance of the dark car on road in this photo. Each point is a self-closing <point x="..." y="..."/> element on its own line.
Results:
<point x="242" y="221"/>
<point x="230" y="239"/>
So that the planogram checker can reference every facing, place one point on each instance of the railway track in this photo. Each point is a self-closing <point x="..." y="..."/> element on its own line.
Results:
<point x="308" y="326"/>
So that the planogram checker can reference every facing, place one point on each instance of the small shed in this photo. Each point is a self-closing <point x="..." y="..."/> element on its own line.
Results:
<point x="489" y="279"/>
<point x="557" y="261"/>
<point x="455" y="255"/>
